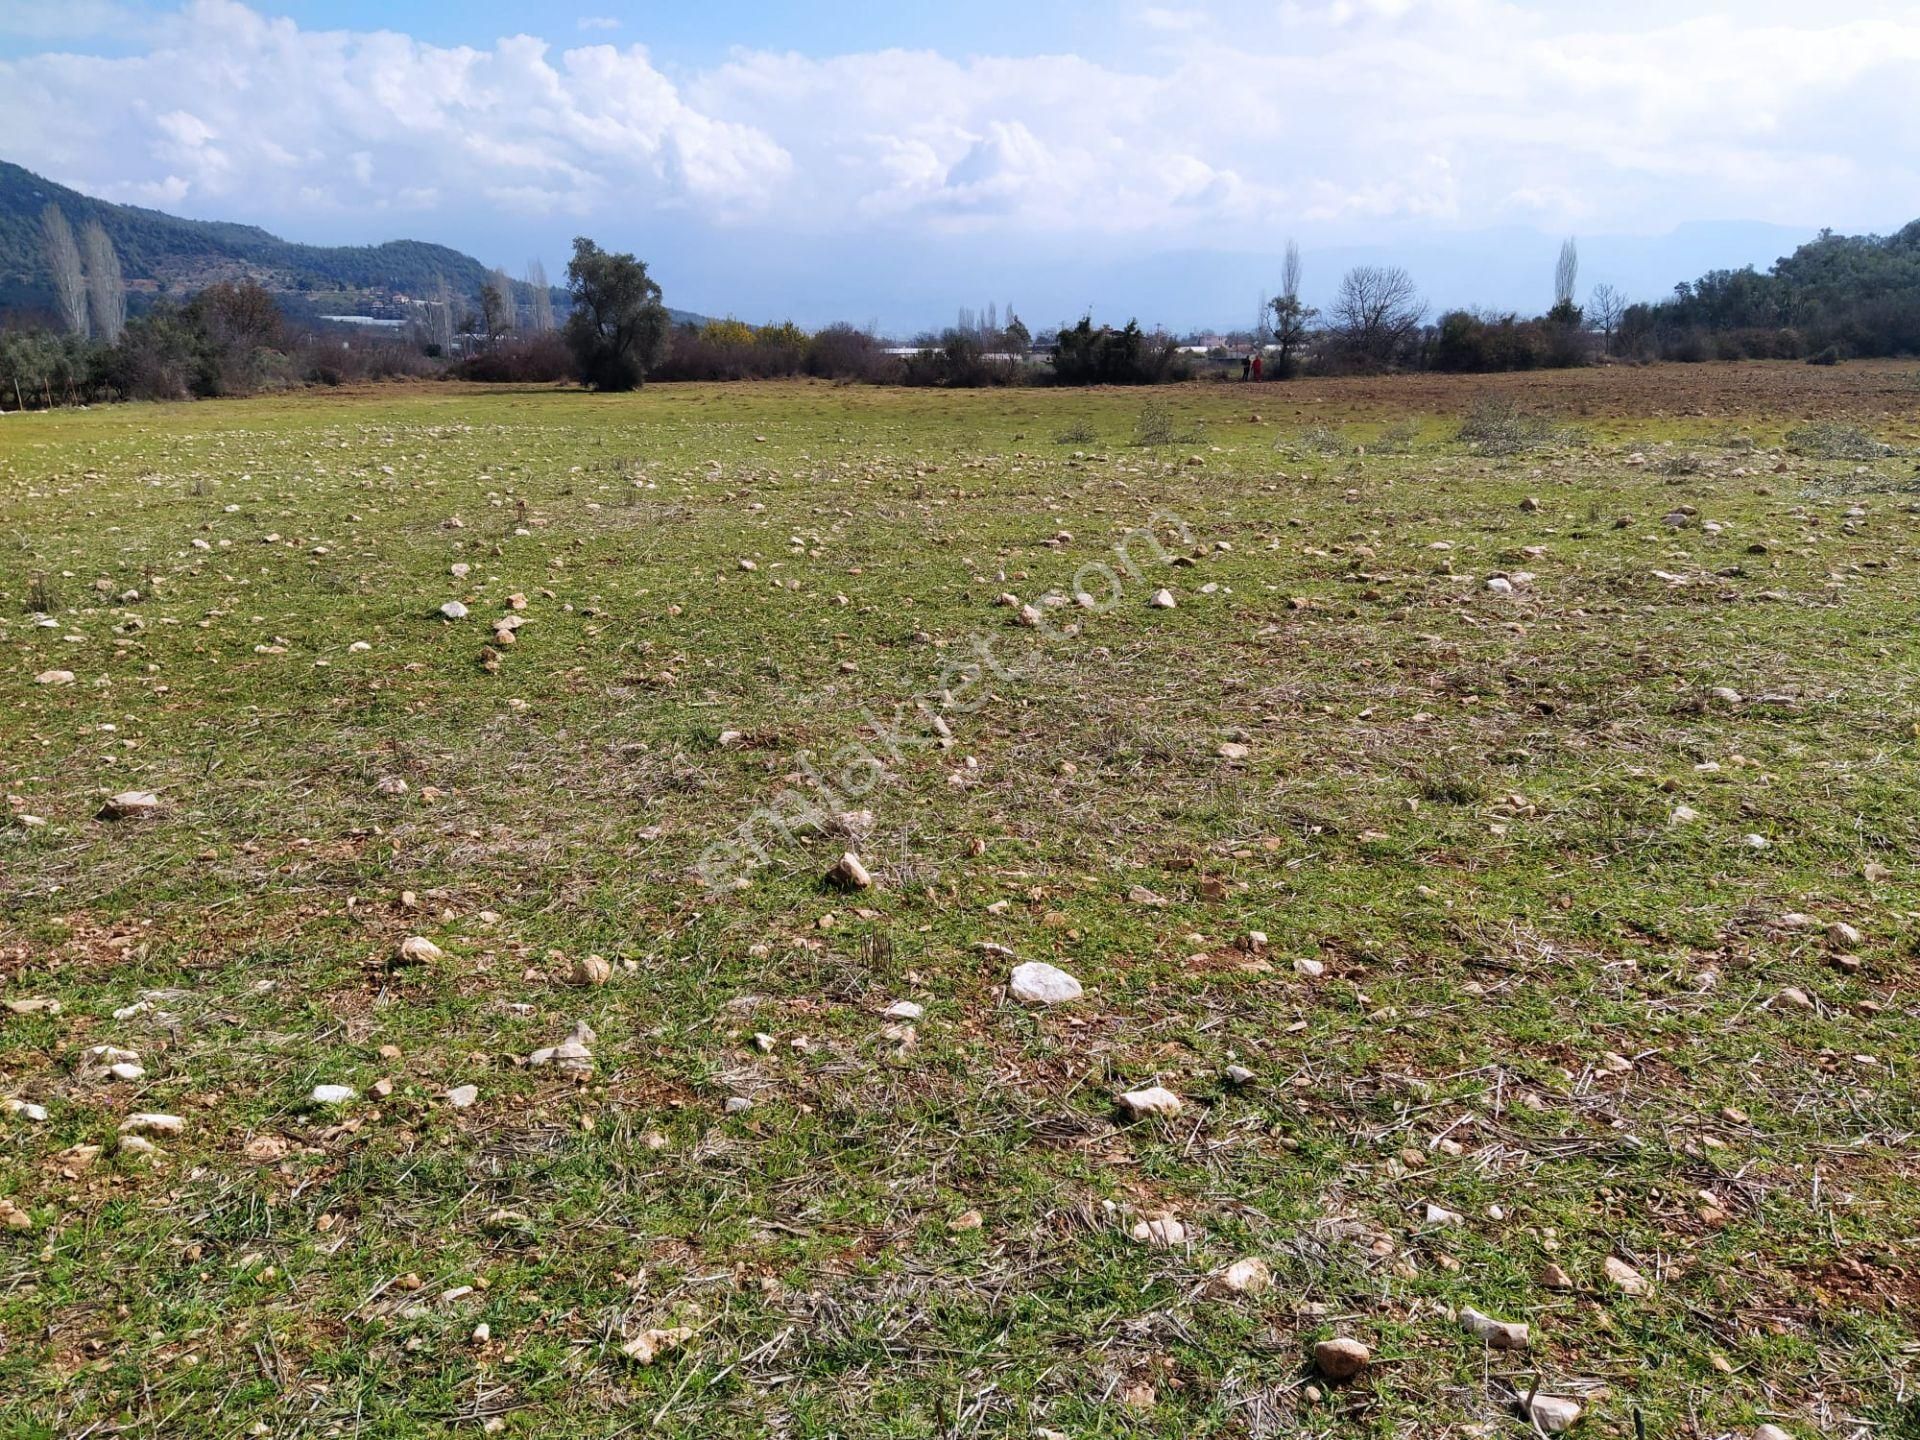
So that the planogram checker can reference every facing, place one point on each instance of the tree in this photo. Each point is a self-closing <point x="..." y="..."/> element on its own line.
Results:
<point x="1292" y="318"/>
<point x="496" y="304"/>
<point x="1605" y="308"/>
<point x="1377" y="311"/>
<point x="1566" y="273"/>
<point x="1016" y="337"/>
<point x="69" y="280"/>
<point x="540" y="298"/>
<point x="106" y="292"/>
<point x="618" y="330"/>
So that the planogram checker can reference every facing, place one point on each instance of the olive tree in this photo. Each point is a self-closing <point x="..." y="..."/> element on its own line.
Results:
<point x="618" y="330"/>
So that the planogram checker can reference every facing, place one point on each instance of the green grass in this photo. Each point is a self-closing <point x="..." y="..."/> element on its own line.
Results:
<point x="1458" y="802"/>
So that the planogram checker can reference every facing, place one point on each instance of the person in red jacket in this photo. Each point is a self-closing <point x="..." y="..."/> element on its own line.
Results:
<point x="1256" y="365"/>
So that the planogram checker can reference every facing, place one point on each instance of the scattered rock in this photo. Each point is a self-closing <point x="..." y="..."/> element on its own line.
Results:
<point x="849" y="874"/>
<point x="966" y="1220"/>
<point x="590" y="970"/>
<point x="1551" y="1413"/>
<point x="1247" y="1277"/>
<point x="1554" y="1278"/>
<point x="1629" y="1280"/>
<point x="12" y="1216"/>
<point x="1841" y="933"/>
<point x="1498" y="1334"/>
<point x="1771" y="1432"/>
<point x="1163" y="600"/>
<point x="1154" y="1100"/>
<point x="1239" y="1075"/>
<point x="903" y="1010"/>
<point x="130" y="805"/>
<point x="331" y="1094"/>
<point x="462" y="1096"/>
<point x="418" y="950"/>
<point x="737" y="1105"/>
<point x="454" y="610"/>
<point x="149" y="1123"/>
<point x="1161" y="1230"/>
<point x="54" y="677"/>
<point x="25" y="1109"/>
<point x="1234" y="750"/>
<point x="1341" y="1359"/>
<point x="650" y="1345"/>
<point x="1038" y="983"/>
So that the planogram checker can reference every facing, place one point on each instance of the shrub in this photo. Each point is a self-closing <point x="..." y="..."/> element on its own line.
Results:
<point x="1495" y="425"/>
<point x="541" y="358"/>
<point x="1829" y="440"/>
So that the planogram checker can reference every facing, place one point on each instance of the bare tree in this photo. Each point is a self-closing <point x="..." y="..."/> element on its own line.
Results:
<point x="1566" y="273"/>
<point x="69" y="280"/>
<point x="1291" y="318"/>
<point x="1605" y="310"/>
<point x="540" y="298"/>
<point x="440" y="316"/>
<point x="496" y="305"/>
<point x="1377" y="311"/>
<point x="106" y="292"/>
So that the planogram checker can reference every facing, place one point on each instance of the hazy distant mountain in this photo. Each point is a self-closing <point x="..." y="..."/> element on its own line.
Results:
<point x="163" y="254"/>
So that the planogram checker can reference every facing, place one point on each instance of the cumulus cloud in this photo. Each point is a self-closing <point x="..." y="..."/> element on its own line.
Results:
<point x="1222" y="120"/>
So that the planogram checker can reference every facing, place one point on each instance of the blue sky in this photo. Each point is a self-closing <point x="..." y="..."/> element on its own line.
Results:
<point x="890" y="163"/>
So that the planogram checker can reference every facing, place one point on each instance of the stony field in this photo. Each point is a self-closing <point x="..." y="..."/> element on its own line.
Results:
<point x="1432" y="866"/>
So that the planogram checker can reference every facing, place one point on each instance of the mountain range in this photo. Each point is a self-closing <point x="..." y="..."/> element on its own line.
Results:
<point x="163" y="254"/>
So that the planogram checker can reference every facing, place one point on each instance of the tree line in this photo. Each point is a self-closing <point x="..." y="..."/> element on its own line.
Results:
<point x="1835" y="297"/>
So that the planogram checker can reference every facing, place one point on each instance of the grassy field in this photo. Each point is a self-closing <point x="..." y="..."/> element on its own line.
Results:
<point x="1589" y="903"/>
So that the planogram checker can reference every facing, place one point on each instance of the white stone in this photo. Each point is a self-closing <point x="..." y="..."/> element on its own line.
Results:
<point x="1154" y="1100"/>
<point x="903" y="1010"/>
<point x="454" y="610"/>
<point x="1247" y="1277"/>
<point x="1499" y="1334"/>
<point x="461" y="1096"/>
<point x="130" y="804"/>
<point x="1162" y="1230"/>
<point x="1163" y="600"/>
<point x="54" y="677"/>
<point x="1038" y="983"/>
<point x="418" y="950"/>
<point x="1553" y="1414"/>
<point x="149" y="1123"/>
<point x="332" y="1094"/>
<point x="1342" y="1358"/>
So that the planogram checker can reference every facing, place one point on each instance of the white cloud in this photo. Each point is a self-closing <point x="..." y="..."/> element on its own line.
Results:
<point x="1352" y="115"/>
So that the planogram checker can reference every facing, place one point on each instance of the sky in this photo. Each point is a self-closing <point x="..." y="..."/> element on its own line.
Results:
<point x="888" y="164"/>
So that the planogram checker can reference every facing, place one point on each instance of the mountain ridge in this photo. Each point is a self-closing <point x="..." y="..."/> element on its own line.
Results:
<point x="162" y="254"/>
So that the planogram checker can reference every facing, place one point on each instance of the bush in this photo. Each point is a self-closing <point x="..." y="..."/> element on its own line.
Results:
<point x="1827" y="440"/>
<point x="841" y="352"/>
<point x="541" y="358"/>
<point x="1495" y="425"/>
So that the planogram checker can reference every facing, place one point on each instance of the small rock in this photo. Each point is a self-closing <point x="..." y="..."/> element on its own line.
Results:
<point x="130" y="805"/>
<point x="1841" y="933"/>
<point x="903" y="1010"/>
<point x="1161" y="1230"/>
<point x="462" y="1096"/>
<point x="590" y="970"/>
<point x="390" y="785"/>
<point x="1038" y="983"/>
<point x="1796" y="997"/>
<point x="1554" y="1278"/>
<point x="1233" y="750"/>
<point x="1683" y="815"/>
<point x="966" y="1220"/>
<point x="454" y="610"/>
<point x="331" y="1094"/>
<point x="25" y="1109"/>
<point x="149" y="1123"/>
<point x="1629" y="1280"/>
<point x="1500" y="585"/>
<point x="1440" y="1215"/>
<point x="1498" y="1334"/>
<point x="1239" y="1075"/>
<point x="1163" y="600"/>
<point x="1771" y="1432"/>
<point x="1551" y="1413"/>
<point x="1341" y="1359"/>
<point x="1725" y="695"/>
<point x="418" y="950"/>
<point x="54" y="677"/>
<point x="650" y="1345"/>
<point x="737" y="1105"/>
<point x="1154" y="1100"/>
<point x="1309" y="969"/>
<point x="1247" y="1277"/>
<point x="849" y="874"/>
